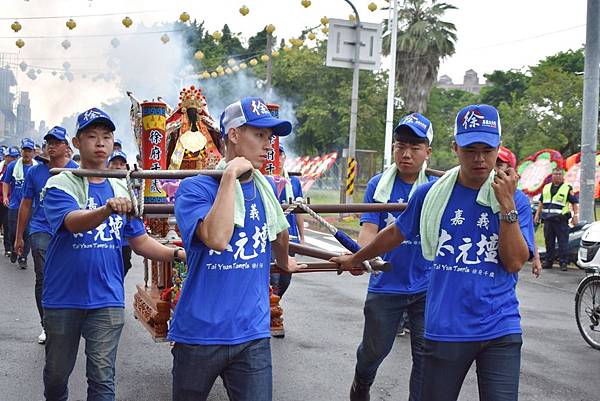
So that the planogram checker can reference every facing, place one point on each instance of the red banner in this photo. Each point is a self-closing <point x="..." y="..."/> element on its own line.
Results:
<point x="271" y="166"/>
<point x="154" y="142"/>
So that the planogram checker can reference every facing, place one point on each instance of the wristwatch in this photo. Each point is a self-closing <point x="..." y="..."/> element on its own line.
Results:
<point x="176" y="253"/>
<point x="511" y="216"/>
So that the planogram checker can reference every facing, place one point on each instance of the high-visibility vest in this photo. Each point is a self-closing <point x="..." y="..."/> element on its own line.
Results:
<point x="557" y="204"/>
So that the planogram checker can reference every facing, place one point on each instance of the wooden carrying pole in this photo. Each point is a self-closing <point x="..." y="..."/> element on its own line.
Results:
<point x="306" y="250"/>
<point x="162" y="209"/>
<point x="146" y="174"/>
<point x="167" y="174"/>
<point x="313" y="267"/>
<point x="318" y="208"/>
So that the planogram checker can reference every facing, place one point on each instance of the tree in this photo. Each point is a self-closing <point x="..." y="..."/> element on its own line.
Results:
<point x="556" y="98"/>
<point x="258" y="43"/>
<point x="519" y="127"/>
<point x="570" y="61"/>
<point x="423" y="40"/>
<point x="215" y="52"/>
<point x="504" y="86"/>
<point x="230" y="43"/>
<point x="540" y="108"/>
<point x="443" y="106"/>
<point x="301" y="76"/>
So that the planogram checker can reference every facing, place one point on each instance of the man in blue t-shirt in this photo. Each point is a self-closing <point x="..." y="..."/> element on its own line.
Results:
<point x="293" y="189"/>
<point x="83" y="293"/>
<point x="10" y="155"/>
<point x="12" y="188"/>
<point x="403" y="289"/>
<point x="478" y="231"/>
<point x="118" y="161"/>
<point x="31" y="212"/>
<point x="221" y="324"/>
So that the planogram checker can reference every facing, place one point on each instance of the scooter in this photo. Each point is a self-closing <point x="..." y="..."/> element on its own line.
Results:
<point x="588" y="256"/>
<point x="587" y="296"/>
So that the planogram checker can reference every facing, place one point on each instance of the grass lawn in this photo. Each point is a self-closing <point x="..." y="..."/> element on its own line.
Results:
<point x="321" y="196"/>
<point x="331" y="195"/>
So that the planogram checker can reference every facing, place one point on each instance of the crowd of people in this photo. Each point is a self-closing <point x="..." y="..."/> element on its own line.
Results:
<point x="456" y="252"/>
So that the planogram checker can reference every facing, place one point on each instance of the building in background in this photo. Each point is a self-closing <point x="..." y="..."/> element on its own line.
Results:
<point x="15" y="120"/>
<point x="25" y="127"/>
<point x="41" y="131"/>
<point x="8" y="119"/>
<point x="470" y="82"/>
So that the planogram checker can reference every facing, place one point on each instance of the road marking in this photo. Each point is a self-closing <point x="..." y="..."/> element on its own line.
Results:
<point x="330" y="244"/>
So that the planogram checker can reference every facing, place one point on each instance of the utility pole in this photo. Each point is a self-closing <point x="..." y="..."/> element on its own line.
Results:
<point x="589" y="124"/>
<point x="389" y="118"/>
<point x="354" y="104"/>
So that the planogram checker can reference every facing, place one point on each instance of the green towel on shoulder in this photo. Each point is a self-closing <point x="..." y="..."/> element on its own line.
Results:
<point x="78" y="187"/>
<point x="276" y="221"/>
<point x="18" y="172"/>
<point x="435" y="204"/>
<point x="383" y="191"/>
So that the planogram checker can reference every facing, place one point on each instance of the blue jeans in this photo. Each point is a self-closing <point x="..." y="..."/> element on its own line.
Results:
<point x="498" y="362"/>
<point x="12" y="232"/>
<point x="383" y="315"/>
<point x="101" y="329"/>
<point x="280" y="283"/>
<point x="245" y="369"/>
<point x="39" y="246"/>
<point x="5" y="233"/>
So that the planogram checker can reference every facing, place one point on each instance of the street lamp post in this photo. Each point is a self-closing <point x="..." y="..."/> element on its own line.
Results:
<point x="589" y="126"/>
<point x="354" y="98"/>
<point x="389" y="119"/>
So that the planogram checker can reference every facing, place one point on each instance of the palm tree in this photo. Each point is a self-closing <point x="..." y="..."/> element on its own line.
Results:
<point x="423" y="40"/>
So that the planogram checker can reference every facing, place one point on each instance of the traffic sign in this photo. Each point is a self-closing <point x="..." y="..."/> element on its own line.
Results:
<point x="341" y="42"/>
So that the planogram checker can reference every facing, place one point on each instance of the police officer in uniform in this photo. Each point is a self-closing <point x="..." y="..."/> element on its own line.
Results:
<point x="555" y="214"/>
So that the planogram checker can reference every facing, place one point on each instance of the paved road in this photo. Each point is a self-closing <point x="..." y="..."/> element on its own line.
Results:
<point x="315" y="360"/>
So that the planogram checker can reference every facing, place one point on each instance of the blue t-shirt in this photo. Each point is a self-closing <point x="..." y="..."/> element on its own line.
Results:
<point x="225" y="297"/>
<point x="16" y="187"/>
<point x="471" y="297"/>
<point x="85" y="270"/>
<point x="291" y="218"/>
<point x="410" y="271"/>
<point x="35" y="180"/>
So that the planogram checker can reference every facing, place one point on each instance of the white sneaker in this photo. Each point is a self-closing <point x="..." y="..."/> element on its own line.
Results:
<point x="42" y="337"/>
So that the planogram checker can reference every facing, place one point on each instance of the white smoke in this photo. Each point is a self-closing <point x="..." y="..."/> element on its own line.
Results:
<point x="150" y="69"/>
<point x="97" y="68"/>
<point x="227" y="89"/>
<point x="143" y="65"/>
